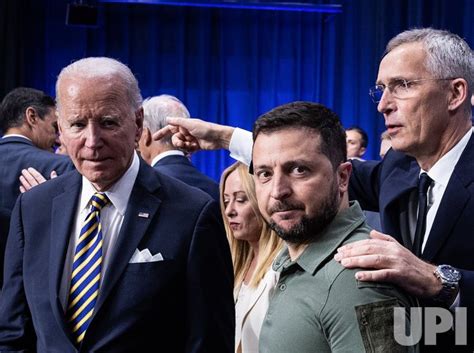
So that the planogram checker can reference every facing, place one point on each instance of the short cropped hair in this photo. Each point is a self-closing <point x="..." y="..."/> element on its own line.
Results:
<point x="364" y="137"/>
<point x="15" y="103"/>
<point x="312" y="116"/>
<point x="157" y="109"/>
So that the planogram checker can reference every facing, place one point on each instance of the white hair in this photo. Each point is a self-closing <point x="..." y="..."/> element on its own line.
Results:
<point x="102" y="67"/>
<point x="157" y="109"/>
<point x="447" y="54"/>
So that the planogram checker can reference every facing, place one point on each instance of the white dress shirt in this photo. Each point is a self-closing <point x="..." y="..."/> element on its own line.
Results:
<point x="441" y="172"/>
<point x="111" y="219"/>
<point x="240" y="146"/>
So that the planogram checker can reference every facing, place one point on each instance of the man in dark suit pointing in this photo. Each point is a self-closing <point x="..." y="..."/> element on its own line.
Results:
<point x="113" y="257"/>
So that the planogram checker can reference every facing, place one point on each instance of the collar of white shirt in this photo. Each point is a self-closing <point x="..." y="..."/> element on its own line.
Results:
<point x="16" y="135"/>
<point x="442" y="169"/>
<point x="119" y="193"/>
<point x="166" y="154"/>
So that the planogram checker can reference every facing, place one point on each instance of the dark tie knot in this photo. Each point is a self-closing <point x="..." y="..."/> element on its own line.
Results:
<point x="424" y="183"/>
<point x="98" y="201"/>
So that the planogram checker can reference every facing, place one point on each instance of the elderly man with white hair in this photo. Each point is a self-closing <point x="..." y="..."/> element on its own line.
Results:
<point x="101" y="259"/>
<point x="161" y="154"/>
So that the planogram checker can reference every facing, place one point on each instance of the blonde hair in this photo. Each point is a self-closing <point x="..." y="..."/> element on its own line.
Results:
<point x="269" y="243"/>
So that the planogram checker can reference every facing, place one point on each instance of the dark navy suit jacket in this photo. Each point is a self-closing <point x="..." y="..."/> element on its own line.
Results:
<point x="4" y="226"/>
<point x="183" y="303"/>
<point x="385" y="187"/>
<point x="181" y="168"/>
<point x="17" y="153"/>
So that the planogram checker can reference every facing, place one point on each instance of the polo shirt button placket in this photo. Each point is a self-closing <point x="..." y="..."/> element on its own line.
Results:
<point x="282" y="286"/>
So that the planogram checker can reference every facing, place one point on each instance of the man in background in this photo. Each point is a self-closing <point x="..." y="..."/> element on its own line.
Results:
<point x="357" y="141"/>
<point x="29" y="122"/>
<point x="161" y="154"/>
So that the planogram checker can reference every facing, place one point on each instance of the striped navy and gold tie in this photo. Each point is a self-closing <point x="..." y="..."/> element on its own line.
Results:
<point x="86" y="269"/>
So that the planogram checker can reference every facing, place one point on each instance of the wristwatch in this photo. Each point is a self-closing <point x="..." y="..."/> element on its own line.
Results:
<point x="449" y="278"/>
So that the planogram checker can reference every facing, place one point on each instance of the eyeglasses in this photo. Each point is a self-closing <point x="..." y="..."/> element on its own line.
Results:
<point x="400" y="89"/>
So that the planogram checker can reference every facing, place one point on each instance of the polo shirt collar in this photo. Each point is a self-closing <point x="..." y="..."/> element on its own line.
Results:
<point x="345" y="222"/>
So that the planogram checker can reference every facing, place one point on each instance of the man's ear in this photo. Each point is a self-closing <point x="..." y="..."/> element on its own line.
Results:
<point x="458" y="93"/>
<point x="362" y="151"/>
<point x="343" y="175"/>
<point x="139" y="123"/>
<point x="31" y="116"/>
<point x="146" y="137"/>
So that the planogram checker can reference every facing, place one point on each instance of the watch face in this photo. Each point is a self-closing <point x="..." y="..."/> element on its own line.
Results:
<point x="449" y="273"/>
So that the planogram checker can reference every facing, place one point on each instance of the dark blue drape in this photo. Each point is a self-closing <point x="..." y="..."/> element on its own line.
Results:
<point x="229" y="66"/>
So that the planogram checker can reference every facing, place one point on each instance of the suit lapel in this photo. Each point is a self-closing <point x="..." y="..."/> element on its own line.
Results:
<point x="400" y="183"/>
<point x="453" y="203"/>
<point x="254" y="298"/>
<point x="142" y="201"/>
<point x="400" y="180"/>
<point x="62" y="216"/>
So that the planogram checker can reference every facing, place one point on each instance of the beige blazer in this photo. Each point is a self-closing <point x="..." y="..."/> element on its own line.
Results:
<point x="249" y="318"/>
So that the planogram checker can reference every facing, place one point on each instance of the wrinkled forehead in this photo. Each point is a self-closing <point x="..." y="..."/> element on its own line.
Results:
<point x="82" y="89"/>
<point x="77" y="93"/>
<point x="93" y="100"/>
<point x="404" y="61"/>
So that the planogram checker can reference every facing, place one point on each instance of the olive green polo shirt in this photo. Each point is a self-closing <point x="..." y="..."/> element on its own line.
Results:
<point x="318" y="305"/>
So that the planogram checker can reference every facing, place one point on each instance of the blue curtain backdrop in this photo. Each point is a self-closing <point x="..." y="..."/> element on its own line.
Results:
<point x="227" y="66"/>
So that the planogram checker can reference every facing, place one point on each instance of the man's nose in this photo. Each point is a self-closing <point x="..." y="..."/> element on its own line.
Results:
<point x="93" y="136"/>
<point x="386" y="102"/>
<point x="281" y="186"/>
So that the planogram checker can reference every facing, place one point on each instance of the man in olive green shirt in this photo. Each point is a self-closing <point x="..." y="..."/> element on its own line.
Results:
<point x="320" y="307"/>
<point x="301" y="178"/>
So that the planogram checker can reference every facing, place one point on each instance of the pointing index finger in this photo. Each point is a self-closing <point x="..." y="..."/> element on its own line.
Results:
<point x="163" y="132"/>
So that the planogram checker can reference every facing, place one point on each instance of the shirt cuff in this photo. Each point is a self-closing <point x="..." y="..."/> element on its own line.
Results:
<point x="240" y="146"/>
<point x="455" y="304"/>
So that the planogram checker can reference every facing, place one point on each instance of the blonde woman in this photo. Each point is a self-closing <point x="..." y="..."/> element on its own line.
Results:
<point x="253" y="246"/>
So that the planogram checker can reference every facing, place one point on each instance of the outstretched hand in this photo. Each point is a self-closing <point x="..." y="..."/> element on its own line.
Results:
<point x="30" y="178"/>
<point x="192" y="135"/>
<point x="383" y="259"/>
